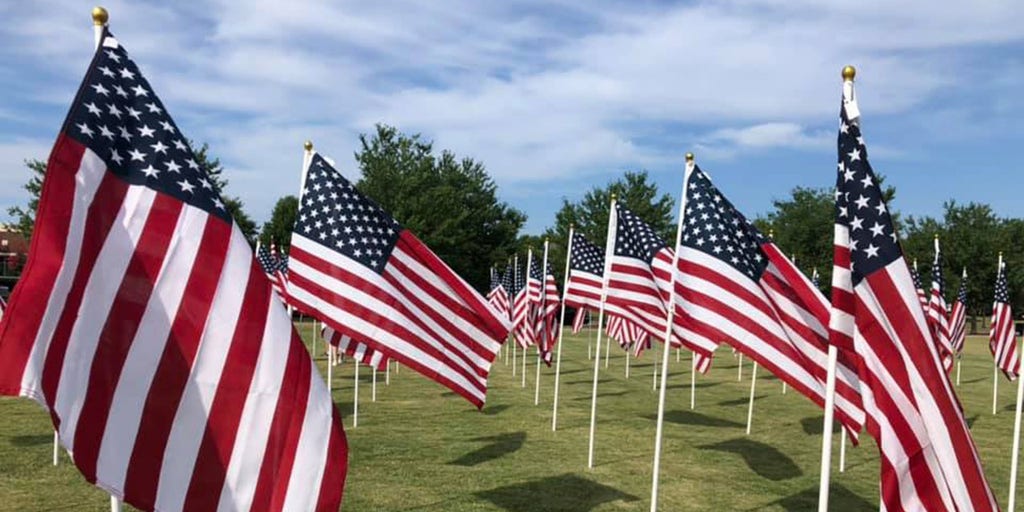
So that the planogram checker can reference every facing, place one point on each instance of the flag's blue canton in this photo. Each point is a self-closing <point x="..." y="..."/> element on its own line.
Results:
<point x="506" y="279"/>
<point x="634" y="238"/>
<point x="961" y="296"/>
<point x="535" y="270"/>
<point x="118" y="116"/>
<point x="1002" y="290"/>
<point x="518" y="281"/>
<point x="937" y="272"/>
<point x="495" y="279"/>
<point x="266" y="260"/>
<point x="859" y="205"/>
<point x="586" y="257"/>
<point x="336" y="215"/>
<point x="914" y="276"/>
<point x="714" y="227"/>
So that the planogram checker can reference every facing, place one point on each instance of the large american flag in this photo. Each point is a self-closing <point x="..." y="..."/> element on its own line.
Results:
<point x="498" y="295"/>
<point x="586" y="268"/>
<point x="928" y="459"/>
<point x="638" y="283"/>
<point x="958" y="318"/>
<point x="523" y="330"/>
<point x="938" y="312"/>
<point x="145" y="326"/>
<point x="735" y="285"/>
<point x="357" y="269"/>
<point x="1002" y="338"/>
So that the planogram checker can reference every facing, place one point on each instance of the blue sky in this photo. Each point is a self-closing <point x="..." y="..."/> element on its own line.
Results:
<point x="556" y="96"/>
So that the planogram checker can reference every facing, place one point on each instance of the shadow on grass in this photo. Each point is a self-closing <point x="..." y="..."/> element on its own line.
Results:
<point x="740" y="401"/>
<point x="567" y="493"/>
<point x="840" y="498"/>
<point x="972" y="381"/>
<point x="698" y="385"/>
<point x="600" y="396"/>
<point x="498" y="447"/>
<point x="761" y="458"/>
<point x="493" y="410"/>
<point x="814" y="425"/>
<point x="32" y="440"/>
<point x="588" y="381"/>
<point x="695" y="418"/>
<point x="570" y="372"/>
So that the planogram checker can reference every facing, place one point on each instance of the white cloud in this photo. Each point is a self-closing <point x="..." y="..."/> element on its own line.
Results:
<point x="539" y="91"/>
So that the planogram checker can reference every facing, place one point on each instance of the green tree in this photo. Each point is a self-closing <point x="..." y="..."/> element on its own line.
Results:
<point x="233" y="204"/>
<point x="803" y="225"/>
<point x="590" y="214"/>
<point x="450" y="203"/>
<point x="278" y="229"/>
<point x="26" y="217"/>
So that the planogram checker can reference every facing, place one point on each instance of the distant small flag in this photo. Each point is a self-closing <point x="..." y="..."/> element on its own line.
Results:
<point x="354" y="349"/>
<point x="272" y="267"/>
<point x="938" y="312"/>
<point x="958" y="318"/>
<point x="816" y="278"/>
<point x="1002" y="338"/>
<point x="498" y="296"/>
<point x="586" y="268"/>
<point x="523" y="331"/>
<point x="547" y="317"/>
<point x="922" y="298"/>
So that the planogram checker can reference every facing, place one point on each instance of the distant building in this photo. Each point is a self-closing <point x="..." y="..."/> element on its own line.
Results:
<point x="13" y="254"/>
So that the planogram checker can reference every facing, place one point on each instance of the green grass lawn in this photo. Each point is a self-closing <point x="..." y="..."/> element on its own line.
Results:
<point x="420" y="447"/>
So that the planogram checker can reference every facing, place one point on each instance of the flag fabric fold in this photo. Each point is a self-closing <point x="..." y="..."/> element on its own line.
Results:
<point x="958" y="318"/>
<point x="145" y="326"/>
<point x="498" y="294"/>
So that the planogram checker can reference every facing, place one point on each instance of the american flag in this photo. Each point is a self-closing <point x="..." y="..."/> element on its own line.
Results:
<point x="586" y="268"/>
<point x="628" y="334"/>
<point x="958" y="318"/>
<point x="579" y="320"/>
<point x="736" y="286"/>
<point x="362" y="273"/>
<point x="274" y="268"/>
<point x="938" y="313"/>
<point x="928" y="459"/>
<point x="547" y="317"/>
<point x="498" y="295"/>
<point x="534" y="279"/>
<point x="523" y="329"/>
<point x="359" y="351"/>
<point x="1002" y="338"/>
<point x="638" y="282"/>
<point x="145" y="326"/>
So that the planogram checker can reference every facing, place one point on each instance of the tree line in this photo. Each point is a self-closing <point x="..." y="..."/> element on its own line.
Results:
<point x="452" y="204"/>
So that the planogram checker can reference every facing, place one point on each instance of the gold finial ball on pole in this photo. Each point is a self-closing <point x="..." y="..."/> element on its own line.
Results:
<point x="99" y="16"/>
<point x="689" y="157"/>
<point x="308" y="145"/>
<point x="613" y="196"/>
<point x="849" y="72"/>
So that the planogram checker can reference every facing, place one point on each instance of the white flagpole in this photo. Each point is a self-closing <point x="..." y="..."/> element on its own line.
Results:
<point x="678" y="350"/>
<point x="842" y="451"/>
<point x="609" y="245"/>
<point x="561" y="331"/>
<point x="958" y="361"/>
<point x="515" y="279"/>
<point x="529" y="264"/>
<point x="667" y="348"/>
<point x="654" y="384"/>
<point x="739" y="369"/>
<point x="355" y="394"/>
<point x="849" y="103"/>
<point x="373" y="387"/>
<point x="693" y="381"/>
<point x="56" y="446"/>
<point x="995" y="364"/>
<point x="607" y="349"/>
<point x="544" y="324"/>
<point x="750" y="407"/>
<point x="387" y="373"/>
<point x="99" y="21"/>
<point x="628" y="350"/>
<point x="1014" y="457"/>
<point x="523" y="372"/>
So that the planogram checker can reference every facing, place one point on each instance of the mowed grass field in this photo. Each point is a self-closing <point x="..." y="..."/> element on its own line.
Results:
<point x="420" y="447"/>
